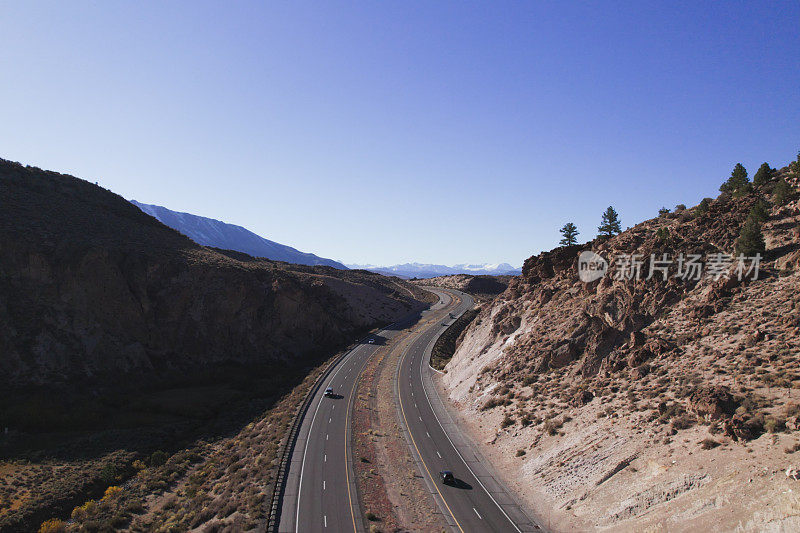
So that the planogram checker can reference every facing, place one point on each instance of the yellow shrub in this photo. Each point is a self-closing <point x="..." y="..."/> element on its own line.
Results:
<point x="84" y="511"/>
<point x="54" y="525"/>
<point x="112" y="492"/>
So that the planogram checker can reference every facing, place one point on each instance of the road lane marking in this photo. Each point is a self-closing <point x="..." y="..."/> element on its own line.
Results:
<point x="325" y="518"/>
<point x="440" y="455"/>
<point x="459" y="453"/>
<point x="325" y="460"/>
<point x="477" y="513"/>
<point x="323" y="484"/>
<point x="326" y="436"/>
<point x="305" y="449"/>
<point x="329" y="420"/>
<point x="428" y="434"/>
<point x="419" y="454"/>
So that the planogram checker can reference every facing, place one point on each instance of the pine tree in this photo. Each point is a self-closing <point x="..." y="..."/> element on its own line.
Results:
<point x="763" y="174"/>
<point x="760" y="211"/>
<point x="781" y="192"/>
<point x="570" y="233"/>
<point x="737" y="181"/>
<point x="750" y="241"/>
<point x="610" y="224"/>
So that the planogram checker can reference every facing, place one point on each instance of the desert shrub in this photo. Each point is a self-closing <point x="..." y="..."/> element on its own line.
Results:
<point x="112" y="492"/>
<point x="84" y="511"/>
<point x="662" y="234"/>
<point x="507" y="421"/>
<point x="550" y="427"/>
<point x="54" y="525"/>
<point x="520" y="452"/>
<point x="683" y="421"/>
<point x="680" y="207"/>
<point x="663" y="212"/>
<point x="702" y="207"/>
<point x="372" y="517"/>
<point x="491" y="403"/>
<point x="708" y="444"/>
<point x="158" y="458"/>
<point x="774" y="425"/>
<point x="109" y="473"/>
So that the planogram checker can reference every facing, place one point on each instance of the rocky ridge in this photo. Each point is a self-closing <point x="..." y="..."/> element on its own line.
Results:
<point x="579" y="386"/>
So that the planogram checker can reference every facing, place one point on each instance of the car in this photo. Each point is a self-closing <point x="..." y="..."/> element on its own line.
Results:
<point x="447" y="477"/>
<point x="371" y="341"/>
<point x="329" y="393"/>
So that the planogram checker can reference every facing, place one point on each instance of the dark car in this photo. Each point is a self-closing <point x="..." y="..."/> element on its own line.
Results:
<point x="447" y="477"/>
<point x="329" y="392"/>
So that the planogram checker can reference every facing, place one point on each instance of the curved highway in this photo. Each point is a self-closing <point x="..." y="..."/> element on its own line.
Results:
<point x="475" y="501"/>
<point x="321" y="494"/>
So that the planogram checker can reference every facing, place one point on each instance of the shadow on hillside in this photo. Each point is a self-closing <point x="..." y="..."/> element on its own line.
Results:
<point x="80" y="422"/>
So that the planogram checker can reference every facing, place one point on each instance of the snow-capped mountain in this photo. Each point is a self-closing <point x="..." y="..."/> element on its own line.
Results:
<point x="420" y="270"/>
<point x="210" y="232"/>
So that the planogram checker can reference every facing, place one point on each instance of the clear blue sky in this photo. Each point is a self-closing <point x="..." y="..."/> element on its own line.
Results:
<point x="387" y="132"/>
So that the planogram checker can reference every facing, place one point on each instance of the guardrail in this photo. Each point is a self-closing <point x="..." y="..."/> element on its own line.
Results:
<point x="288" y="448"/>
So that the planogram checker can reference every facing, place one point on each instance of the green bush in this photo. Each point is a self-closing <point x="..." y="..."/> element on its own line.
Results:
<point x="158" y="458"/>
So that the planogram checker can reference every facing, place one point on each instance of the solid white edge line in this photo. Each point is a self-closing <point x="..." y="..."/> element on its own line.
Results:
<point x="305" y="449"/>
<point x="421" y="367"/>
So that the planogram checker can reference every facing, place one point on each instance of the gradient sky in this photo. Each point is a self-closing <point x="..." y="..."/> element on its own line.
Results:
<point x="386" y="132"/>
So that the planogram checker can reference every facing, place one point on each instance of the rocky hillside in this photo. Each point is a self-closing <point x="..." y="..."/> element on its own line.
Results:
<point x="484" y="287"/>
<point x="625" y="403"/>
<point x="210" y="232"/>
<point x="123" y="342"/>
<point x="94" y="289"/>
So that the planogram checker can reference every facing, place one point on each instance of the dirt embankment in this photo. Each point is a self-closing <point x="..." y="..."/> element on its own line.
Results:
<point x="663" y="404"/>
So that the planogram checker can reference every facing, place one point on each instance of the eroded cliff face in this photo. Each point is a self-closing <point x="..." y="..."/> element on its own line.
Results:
<point x="605" y="400"/>
<point x="90" y="287"/>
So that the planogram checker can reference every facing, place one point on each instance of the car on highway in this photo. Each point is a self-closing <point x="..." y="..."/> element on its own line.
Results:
<point x="371" y="341"/>
<point x="329" y="393"/>
<point x="447" y="477"/>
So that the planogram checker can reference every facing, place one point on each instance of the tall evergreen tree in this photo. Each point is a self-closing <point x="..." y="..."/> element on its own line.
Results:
<point x="570" y="233"/>
<point x="763" y="174"/>
<point x="760" y="211"/>
<point x="738" y="179"/>
<point x="781" y="192"/>
<point x="610" y="224"/>
<point x="751" y="240"/>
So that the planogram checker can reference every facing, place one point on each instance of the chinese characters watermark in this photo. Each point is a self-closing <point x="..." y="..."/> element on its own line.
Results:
<point x="592" y="266"/>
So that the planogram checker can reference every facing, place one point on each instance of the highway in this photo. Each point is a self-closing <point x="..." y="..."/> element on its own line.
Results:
<point x="476" y="501"/>
<point x="321" y="493"/>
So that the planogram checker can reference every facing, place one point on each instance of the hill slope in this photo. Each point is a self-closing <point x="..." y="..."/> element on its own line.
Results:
<point x="121" y="338"/>
<point x="93" y="286"/>
<point x="210" y="232"/>
<point x="631" y="404"/>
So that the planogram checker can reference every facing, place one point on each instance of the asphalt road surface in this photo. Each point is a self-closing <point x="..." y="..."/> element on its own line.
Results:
<point x="475" y="501"/>
<point x="320" y="494"/>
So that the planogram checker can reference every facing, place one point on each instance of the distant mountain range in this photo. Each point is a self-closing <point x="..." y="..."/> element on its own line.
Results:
<point x="210" y="232"/>
<point x="419" y="270"/>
